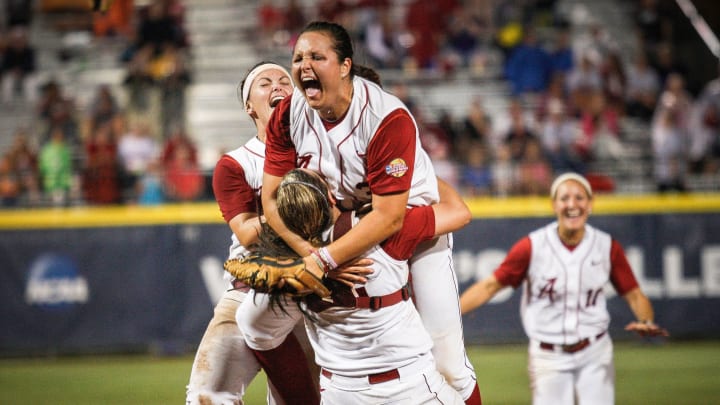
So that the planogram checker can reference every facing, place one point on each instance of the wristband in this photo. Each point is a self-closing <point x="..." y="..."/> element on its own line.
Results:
<point x="319" y="261"/>
<point x="325" y="256"/>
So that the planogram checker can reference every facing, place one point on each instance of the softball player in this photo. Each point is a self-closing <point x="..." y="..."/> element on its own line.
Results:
<point x="369" y="340"/>
<point x="565" y="266"/>
<point x="224" y="365"/>
<point x="365" y="142"/>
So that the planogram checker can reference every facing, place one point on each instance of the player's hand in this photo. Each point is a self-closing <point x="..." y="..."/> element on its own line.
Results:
<point x="352" y="273"/>
<point x="646" y="329"/>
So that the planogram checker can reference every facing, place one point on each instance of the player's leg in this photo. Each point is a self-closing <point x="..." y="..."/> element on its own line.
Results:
<point x="224" y="366"/>
<point x="436" y="296"/>
<point x="596" y="379"/>
<point x="268" y="332"/>
<point x="551" y="376"/>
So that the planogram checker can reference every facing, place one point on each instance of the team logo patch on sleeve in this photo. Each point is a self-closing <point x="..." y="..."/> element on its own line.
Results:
<point x="396" y="168"/>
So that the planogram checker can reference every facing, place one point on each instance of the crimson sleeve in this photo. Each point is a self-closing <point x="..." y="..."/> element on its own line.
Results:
<point x="513" y="269"/>
<point x="280" y="154"/>
<point x="621" y="275"/>
<point x="232" y="192"/>
<point x="391" y="154"/>
<point x="419" y="226"/>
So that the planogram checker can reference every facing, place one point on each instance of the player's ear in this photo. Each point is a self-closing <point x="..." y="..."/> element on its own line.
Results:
<point x="250" y="110"/>
<point x="345" y="67"/>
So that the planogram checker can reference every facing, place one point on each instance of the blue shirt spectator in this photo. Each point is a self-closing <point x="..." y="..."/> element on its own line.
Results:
<point x="529" y="67"/>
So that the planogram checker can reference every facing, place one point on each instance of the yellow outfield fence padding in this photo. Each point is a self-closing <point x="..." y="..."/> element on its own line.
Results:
<point x="603" y="205"/>
<point x="132" y="215"/>
<point x="511" y="207"/>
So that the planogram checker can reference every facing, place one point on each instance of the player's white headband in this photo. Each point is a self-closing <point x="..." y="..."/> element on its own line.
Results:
<point x="244" y="92"/>
<point x="570" y="176"/>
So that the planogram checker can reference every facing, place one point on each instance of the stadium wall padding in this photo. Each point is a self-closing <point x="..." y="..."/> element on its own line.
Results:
<point x="120" y="279"/>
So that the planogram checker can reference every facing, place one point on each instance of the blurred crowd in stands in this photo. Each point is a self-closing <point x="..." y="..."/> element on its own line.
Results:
<point x="134" y="153"/>
<point x="569" y="94"/>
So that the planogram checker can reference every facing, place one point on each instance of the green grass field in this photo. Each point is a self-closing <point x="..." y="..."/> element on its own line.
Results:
<point x="674" y="373"/>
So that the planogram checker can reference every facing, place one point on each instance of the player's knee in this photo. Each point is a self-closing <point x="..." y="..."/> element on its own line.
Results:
<point x="206" y="397"/>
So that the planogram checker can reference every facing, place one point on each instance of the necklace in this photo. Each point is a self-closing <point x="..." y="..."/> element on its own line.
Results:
<point x="330" y="113"/>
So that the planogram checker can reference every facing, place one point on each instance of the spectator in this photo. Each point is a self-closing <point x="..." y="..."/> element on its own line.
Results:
<point x="293" y="19"/>
<point x="463" y="38"/>
<point x="138" y="83"/>
<point x="682" y="100"/>
<point x="559" y="135"/>
<point x="270" y="23"/>
<point x="10" y="187"/>
<point x="534" y="172"/>
<point x="600" y="130"/>
<point x="18" y="67"/>
<point x="136" y="149"/>
<point x="178" y="138"/>
<point x="502" y="123"/>
<point x="445" y="166"/>
<point x="431" y="134"/>
<point x="503" y="172"/>
<point x="669" y="146"/>
<point x="704" y="150"/>
<point x="101" y="177"/>
<point x="562" y="57"/>
<point x="115" y="21"/>
<point x="554" y="95"/>
<point x="518" y="137"/>
<point x="653" y="23"/>
<point x="594" y="43"/>
<point x="381" y="40"/>
<point x="149" y="187"/>
<point x="665" y="63"/>
<point x="55" y="110"/>
<point x="427" y="21"/>
<point x="173" y="85"/>
<point x="643" y="87"/>
<point x="183" y="179"/>
<point x="614" y="80"/>
<point x="102" y="109"/>
<point x="55" y="165"/>
<point x="24" y="160"/>
<point x="158" y="28"/>
<point x="446" y="125"/>
<point x="477" y="124"/>
<point x="332" y="10"/>
<point x="582" y="82"/>
<point x="509" y="19"/>
<point x="529" y="67"/>
<point x="476" y="176"/>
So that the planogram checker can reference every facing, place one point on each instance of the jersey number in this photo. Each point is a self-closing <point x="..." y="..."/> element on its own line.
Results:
<point x="592" y="296"/>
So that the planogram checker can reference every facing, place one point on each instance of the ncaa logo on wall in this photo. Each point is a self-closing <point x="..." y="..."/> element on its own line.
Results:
<point x="55" y="283"/>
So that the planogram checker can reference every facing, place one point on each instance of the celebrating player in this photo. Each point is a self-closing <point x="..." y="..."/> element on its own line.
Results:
<point x="224" y="365"/>
<point x="565" y="265"/>
<point x="366" y="143"/>
<point x="368" y="339"/>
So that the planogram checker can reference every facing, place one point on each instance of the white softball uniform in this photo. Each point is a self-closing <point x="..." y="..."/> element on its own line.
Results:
<point x="379" y="354"/>
<point x="564" y="312"/>
<point x="356" y="165"/>
<point x="224" y="366"/>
